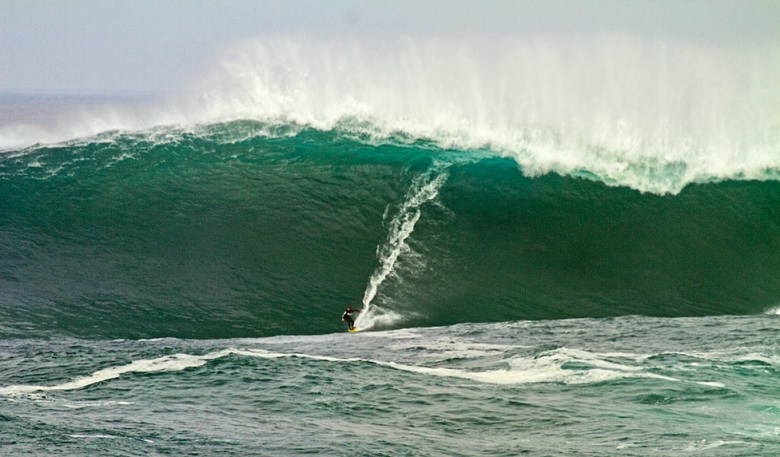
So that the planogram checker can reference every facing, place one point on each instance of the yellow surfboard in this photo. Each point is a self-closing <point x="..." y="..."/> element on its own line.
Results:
<point x="353" y="329"/>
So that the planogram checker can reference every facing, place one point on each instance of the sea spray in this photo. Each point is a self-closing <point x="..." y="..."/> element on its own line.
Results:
<point x="652" y="114"/>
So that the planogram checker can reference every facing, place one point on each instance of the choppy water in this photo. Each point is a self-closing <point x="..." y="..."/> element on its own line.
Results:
<point x="615" y="386"/>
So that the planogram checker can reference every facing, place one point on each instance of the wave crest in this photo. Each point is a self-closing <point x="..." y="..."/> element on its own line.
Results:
<point x="651" y="114"/>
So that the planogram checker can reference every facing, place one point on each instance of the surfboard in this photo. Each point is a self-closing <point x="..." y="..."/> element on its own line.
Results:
<point x="354" y="329"/>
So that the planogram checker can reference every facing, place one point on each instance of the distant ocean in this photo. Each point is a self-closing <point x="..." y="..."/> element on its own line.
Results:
<point x="555" y="256"/>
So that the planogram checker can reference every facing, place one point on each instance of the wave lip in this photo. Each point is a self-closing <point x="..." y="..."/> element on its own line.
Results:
<point x="644" y="168"/>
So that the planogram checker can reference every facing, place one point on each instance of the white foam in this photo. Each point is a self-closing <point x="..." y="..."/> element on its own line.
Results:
<point x="109" y="437"/>
<point x="733" y="355"/>
<point x="774" y="310"/>
<point x="94" y="404"/>
<point x="168" y="363"/>
<point x="546" y="368"/>
<point x="704" y="445"/>
<point x="523" y="370"/>
<point x="398" y="334"/>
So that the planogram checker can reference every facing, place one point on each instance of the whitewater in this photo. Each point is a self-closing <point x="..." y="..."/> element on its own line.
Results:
<point x="644" y="112"/>
<point x="562" y="245"/>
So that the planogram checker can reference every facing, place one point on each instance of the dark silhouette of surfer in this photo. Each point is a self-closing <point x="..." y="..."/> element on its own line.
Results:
<point x="347" y="316"/>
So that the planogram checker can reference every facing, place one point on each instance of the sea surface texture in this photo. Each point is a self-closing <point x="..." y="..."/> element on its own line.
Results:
<point x="549" y="262"/>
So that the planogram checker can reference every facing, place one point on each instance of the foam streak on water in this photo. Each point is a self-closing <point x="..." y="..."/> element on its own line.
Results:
<point x="424" y="189"/>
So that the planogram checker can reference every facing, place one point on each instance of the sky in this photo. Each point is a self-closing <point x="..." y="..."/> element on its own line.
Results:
<point x="150" y="47"/>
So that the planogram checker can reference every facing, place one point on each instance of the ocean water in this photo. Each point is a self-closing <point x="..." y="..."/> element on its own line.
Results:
<point x="547" y="265"/>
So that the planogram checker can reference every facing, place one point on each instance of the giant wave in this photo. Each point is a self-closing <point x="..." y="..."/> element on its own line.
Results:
<point x="250" y="229"/>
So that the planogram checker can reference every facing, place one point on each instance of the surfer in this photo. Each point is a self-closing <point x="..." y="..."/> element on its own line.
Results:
<point x="347" y="316"/>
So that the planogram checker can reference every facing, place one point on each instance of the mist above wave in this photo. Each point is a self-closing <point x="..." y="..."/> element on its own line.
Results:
<point x="648" y="113"/>
<point x="651" y="113"/>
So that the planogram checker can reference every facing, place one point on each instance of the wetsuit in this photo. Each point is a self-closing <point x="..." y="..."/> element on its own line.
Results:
<point x="347" y="316"/>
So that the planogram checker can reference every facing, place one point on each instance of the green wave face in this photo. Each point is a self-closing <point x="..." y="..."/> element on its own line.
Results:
<point x="227" y="233"/>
